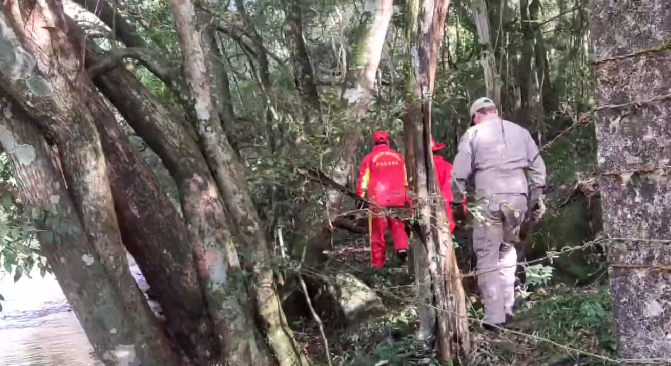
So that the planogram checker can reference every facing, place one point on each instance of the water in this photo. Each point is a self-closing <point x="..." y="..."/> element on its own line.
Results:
<point x="37" y="326"/>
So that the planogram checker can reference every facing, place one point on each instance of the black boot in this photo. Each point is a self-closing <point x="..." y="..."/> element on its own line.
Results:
<point x="402" y="256"/>
<point x="494" y="328"/>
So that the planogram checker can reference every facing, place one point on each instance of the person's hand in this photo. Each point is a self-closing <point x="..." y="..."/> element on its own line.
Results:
<point x="458" y="211"/>
<point x="537" y="210"/>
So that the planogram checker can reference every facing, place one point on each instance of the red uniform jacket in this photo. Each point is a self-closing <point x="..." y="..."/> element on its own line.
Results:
<point x="444" y="176"/>
<point x="383" y="179"/>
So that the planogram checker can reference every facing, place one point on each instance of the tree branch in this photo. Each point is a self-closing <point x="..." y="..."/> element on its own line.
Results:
<point x="122" y="29"/>
<point x="149" y="58"/>
<point x="237" y="33"/>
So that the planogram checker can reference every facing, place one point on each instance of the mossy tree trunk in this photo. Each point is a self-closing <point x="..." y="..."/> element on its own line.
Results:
<point x="229" y="176"/>
<point x="488" y="57"/>
<point x="33" y="35"/>
<point x="304" y="74"/>
<point x="443" y="313"/>
<point x="96" y="301"/>
<point x="204" y="212"/>
<point x="155" y="234"/>
<point x="633" y="68"/>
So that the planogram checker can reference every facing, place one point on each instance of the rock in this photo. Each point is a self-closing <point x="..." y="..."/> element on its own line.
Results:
<point x="357" y="301"/>
<point x="342" y="299"/>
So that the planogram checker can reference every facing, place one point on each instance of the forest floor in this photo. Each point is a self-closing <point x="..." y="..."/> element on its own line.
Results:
<point x="555" y="325"/>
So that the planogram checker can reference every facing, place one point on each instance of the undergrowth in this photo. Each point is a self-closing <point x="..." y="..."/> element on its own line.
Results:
<point x="577" y="319"/>
<point x="555" y="325"/>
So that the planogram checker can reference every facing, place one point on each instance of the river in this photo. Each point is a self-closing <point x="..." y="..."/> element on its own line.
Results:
<point x="37" y="327"/>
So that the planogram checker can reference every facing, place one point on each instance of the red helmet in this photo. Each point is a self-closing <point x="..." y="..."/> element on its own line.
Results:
<point x="381" y="137"/>
<point x="436" y="147"/>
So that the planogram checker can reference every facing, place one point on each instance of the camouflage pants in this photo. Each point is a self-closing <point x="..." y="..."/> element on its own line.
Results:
<point x="496" y="231"/>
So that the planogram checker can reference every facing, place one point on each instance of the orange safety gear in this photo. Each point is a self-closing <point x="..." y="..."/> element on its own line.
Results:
<point x="444" y="177"/>
<point x="383" y="179"/>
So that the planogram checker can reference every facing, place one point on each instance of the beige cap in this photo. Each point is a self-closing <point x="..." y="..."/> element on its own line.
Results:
<point x="481" y="103"/>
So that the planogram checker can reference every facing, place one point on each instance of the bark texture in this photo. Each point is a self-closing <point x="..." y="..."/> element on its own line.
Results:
<point x="229" y="175"/>
<point x="33" y="33"/>
<point x="305" y="81"/>
<point x="204" y="213"/>
<point x="444" y="316"/>
<point x="487" y="58"/>
<point x="155" y="234"/>
<point x="63" y="240"/>
<point x="633" y="68"/>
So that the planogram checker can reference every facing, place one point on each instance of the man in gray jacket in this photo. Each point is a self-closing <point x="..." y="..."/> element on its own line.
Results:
<point x="498" y="154"/>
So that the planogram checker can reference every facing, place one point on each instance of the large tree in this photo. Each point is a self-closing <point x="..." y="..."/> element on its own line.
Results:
<point x="632" y="63"/>
<point x="37" y="40"/>
<point x="443" y="311"/>
<point x="33" y="42"/>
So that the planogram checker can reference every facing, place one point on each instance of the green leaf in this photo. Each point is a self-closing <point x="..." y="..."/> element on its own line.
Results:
<point x="29" y="262"/>
<point x="10" y="257"/>
<point x="6" y="201"/>
<point x="18" y="274"/>
<point x="8" y="267"/>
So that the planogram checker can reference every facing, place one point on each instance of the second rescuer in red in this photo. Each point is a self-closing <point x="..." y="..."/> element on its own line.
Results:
<point x="383" y="180"/>
<point x="444" y="176"/>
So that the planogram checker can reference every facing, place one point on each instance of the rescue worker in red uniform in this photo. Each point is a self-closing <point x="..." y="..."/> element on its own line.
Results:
<point x="383" y="180"/>
<point x="444" y="176"/>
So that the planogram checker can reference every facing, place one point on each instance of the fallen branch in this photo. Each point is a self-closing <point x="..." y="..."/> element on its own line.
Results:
<point x="316" y="317"/>
<point x="342" y="223"/>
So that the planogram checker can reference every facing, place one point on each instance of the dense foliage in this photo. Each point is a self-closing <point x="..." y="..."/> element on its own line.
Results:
<point x="286" y="73"/>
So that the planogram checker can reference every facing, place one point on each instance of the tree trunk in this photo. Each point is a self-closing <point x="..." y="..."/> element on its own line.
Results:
<point x="62" y="238"/>
<point x="204" y="213"/>
<point x="229" y="175"/>
<point x="360" y="83"/>
<point x="438" y="278"/>
<point x="633" y="66"/>
<point x="304" y="74"/>
<point x="155" y="234"/>
<point x="524" y="66"/>
<point x="549" y="101"/>
<point x="221" y="89"/>
<point x="488" y="59"/>
<point x="55" y="102"/>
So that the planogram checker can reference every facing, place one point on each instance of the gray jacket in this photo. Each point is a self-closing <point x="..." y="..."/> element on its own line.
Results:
<point x="497" y="154"/>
